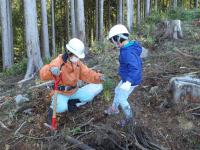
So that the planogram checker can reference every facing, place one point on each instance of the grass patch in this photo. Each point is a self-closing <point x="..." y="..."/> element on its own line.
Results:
<point x="17" y="68"/>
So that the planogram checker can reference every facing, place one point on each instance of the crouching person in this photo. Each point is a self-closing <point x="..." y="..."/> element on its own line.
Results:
<point x="67" y="70"/>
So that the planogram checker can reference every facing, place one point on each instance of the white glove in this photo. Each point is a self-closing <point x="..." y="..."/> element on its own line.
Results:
<point x="126" y="86"/>
<point x="55" y="71"/>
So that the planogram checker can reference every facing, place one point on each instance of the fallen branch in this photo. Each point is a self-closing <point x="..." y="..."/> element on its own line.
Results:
<point x="103" y="130"/>
<point x="139" y="145"/>
<point x="42" y="84"/>
<point x="78" y="143"/>
<point x="25" y="80"/>
<point x="87" y="123"/>
<point x="198" y="107"/>
<point x="16" y="132"/>
<point x="84" y="134"/>
<point x="187" y="55"/>
<point x="4" y="126"/>
<point x="24" y="107"/>
<point x="196" y="114"/>
<point x="39" y="138"/>
<point x="69" y="139"/>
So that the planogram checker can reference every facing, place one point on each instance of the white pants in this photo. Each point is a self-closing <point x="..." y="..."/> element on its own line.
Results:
<point x="84" y="94"/>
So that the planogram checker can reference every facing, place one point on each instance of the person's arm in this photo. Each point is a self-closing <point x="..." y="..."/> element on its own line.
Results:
<point x="89" y="75"/>
<point x="45" y="73"/>
<point x="133" y="70"/>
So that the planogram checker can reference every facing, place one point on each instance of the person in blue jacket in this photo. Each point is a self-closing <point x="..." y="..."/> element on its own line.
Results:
<point x="130" y="71"/>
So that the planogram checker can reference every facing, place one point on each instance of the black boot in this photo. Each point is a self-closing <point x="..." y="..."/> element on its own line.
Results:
<point x="49" y="116"/>
<point x="72" y="105"/>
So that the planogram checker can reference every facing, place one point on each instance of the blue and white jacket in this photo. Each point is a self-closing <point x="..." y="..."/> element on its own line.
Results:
<point x="130" y="68"/>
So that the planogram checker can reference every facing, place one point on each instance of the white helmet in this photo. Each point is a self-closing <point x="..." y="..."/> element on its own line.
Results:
<point x="76" y="47"/>
<point x="116" y="30"/>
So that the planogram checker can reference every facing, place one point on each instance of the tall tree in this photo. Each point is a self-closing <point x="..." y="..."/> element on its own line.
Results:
<point x="45" y="33"/>
<point x="7" y="33"/>
<point x="148" y="8"/>
<point x="53" y="28"/>
<point x="81" y="20"/>
<point x="97" y="19"/>
<point x="196" y="4"/>
<point x="109" y="14"/>
<point x="130" y="14"/>
<point x="67" y="14"/>
<point x="138" y="16"/>
<point x="156" y="5"/>
<point x="32" y="38"/>
<point x="174" y="4"/>
<point x="73" y="23"/>
<point x="120" y="14"/>
<point x="101" y="27"/>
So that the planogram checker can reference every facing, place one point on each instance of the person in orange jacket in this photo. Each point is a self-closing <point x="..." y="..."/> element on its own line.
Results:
<point x="68" y="70"/>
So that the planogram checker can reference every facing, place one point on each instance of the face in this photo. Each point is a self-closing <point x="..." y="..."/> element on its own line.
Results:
<point x="73" y="58"/>
<point x="116" y="41"/>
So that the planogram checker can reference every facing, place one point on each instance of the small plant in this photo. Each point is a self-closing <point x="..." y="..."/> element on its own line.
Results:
<point x="76" y="130"/>
<point x="47" y="60"/>
<point x="98" y="48"/>
<point x="17" y="68"/>
<point x="182" y="14"/>
<point x="108" y="85"/>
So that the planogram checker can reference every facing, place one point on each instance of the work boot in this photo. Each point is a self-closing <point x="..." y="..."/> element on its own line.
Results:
<point x="111" y="111"/>
<point x="72" y="105"/>
<point x="49" y="116"/>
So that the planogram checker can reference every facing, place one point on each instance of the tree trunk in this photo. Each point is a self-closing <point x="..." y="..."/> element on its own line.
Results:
<point x="138" y="16"/>
<point x="174" y="4"/>
<point x="101" y="25"/>
<point x="147" y="8"/>
<point x="73" y="23"/>
<point x="45" y="30"/>
<point x="156" y="5"/>
<point x="173" y="29"/>
<point x="109" y="14"/>
<point x="97" y="20"/>
<point x="130" y="14"/>
<point x="7" y="34"/>
<point x="67" y="22"/>
<point x="185" y="89"/>
<point x="81" y="20"/>
<point x="196" y="4"/>
<point x="120" y="14"/>
<point x="10" y="27"/>
<point x="32" y="38"/>
<point x="53" y="28"/>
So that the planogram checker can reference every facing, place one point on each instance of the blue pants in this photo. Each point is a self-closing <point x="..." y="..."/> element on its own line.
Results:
<point x="84" y="94"/>
<point x="121" y="98"/>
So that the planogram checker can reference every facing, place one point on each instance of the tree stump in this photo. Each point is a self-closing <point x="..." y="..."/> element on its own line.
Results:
<point x="173" y="29"/>
<point x="185" y="89"/>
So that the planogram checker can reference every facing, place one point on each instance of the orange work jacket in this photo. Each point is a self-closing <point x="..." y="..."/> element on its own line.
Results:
<point x="70" y="74"/>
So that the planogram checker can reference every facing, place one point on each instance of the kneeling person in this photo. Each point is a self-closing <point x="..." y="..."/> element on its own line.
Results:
<point x="67" y="70"/>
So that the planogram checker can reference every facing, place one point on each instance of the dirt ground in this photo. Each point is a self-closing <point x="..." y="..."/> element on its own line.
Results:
<point x="158" y="120"/>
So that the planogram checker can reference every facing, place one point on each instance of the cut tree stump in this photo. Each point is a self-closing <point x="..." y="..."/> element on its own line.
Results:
<point x="173" y="29"/>
<point x="185" y="89"/>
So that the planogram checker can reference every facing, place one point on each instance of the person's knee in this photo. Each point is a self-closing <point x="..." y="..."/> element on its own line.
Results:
<point x="61" y="104"/>
<point x="124" y="103"/>
<point x="97" y="88"/>
<point x="87" y="97"/>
